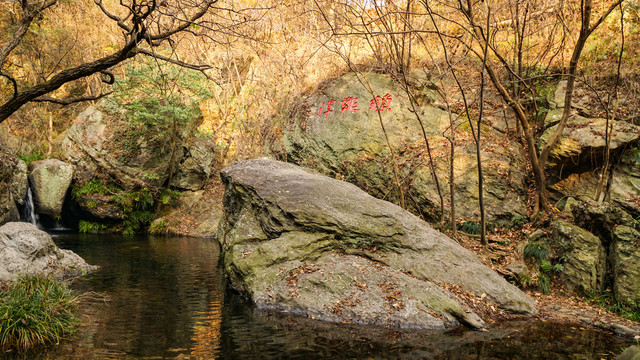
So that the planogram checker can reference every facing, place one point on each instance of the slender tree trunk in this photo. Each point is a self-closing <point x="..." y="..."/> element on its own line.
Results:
<point x="483" y="221"/>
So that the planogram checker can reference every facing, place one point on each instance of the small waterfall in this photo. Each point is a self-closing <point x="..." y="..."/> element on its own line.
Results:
<point x="28" y="210"/>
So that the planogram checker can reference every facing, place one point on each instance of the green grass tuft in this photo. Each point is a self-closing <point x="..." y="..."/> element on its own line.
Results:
<point x="35" y="311"/>
<point x="536" y="250"/>
<point x="87" y="227"/>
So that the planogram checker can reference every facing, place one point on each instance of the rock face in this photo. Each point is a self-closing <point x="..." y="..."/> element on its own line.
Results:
<point x="626" y="265"/>
<point x="196" y="214"/>
<point x="195" y="168"/>
<point x="301" y="242"/>
<point x="351" y="145"/>
<point x="26" y="250"/>
<point x="631" y="353"/>
<point x="583" y="142"/>
<point x="93" y="144"/>
<point x="581" y="149"/>
<point x="13" y="186"/>
<point x="585" y="258"/>
<point x="50" y="180"/>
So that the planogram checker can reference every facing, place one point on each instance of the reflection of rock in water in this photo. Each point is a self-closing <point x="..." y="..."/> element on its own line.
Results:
<point x="168" y="300"/>
<point x="257" y="334"/>
<point x="164" y="292"/>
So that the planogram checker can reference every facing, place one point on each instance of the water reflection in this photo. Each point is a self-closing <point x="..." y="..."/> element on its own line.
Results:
<point x="166" y="296"/>
<point x="168" y="301"/>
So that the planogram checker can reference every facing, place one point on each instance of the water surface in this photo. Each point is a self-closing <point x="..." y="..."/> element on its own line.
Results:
<point x="168" y="300"/>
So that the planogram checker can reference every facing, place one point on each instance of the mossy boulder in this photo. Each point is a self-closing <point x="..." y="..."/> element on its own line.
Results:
<point x="194" y="169"/>
<point x="351" y="145"/>
<point x="50" y="180"/>
<point x="625" y="254"/>
<point x="298" y="241"/>
<point x="584" y="258"/>
<point x="100" y="143"/>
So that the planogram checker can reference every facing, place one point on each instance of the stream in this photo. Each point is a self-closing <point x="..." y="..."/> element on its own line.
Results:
<point x="166" y="298"/>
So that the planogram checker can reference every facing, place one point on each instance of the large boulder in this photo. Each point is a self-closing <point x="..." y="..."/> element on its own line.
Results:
<point x="26" y="250"/>
<point x="50" y="179"/>
<point x="99" y="143"/>
<point x="100" y="206"/>
<point x="301" y="242"/>
<point x="584" y="258"/>
<point x="13" y="186"/>
<point x="625" y="254"/>
<point x="351" y="145"/>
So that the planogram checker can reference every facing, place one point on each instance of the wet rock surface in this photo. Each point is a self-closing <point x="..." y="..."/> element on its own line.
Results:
<point x="301" y="242"/>
<point x="13" y="186"/>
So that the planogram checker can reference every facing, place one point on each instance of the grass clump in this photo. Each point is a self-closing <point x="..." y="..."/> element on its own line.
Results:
<point x="159" y="227"/>
<point x="539" y="252"/>
<point x="607" y="300"/>
<point x="93" y="187"/>
<point x="35" y="310"/>
<point x="88" y="227"/>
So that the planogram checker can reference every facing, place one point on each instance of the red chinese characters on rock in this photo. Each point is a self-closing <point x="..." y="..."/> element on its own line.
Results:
<point x="379" y="103"/>
<point x="329" y="105"/>
<point x="349" y="104"/>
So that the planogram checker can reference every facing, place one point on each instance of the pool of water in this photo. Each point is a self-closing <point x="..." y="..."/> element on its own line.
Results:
<point x="166" y="298"/>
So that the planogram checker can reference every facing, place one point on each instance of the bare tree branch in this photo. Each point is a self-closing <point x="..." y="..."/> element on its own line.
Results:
<point x="145" y="21"/>
<point x="183" y="64"/>
<point x="13" y="81"/>
<point x="70" y="101"/>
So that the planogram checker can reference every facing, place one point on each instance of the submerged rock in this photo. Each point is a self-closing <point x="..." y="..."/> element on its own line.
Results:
<point x="24" y="249"/>
<point x="50" y="179"/>
<point x="297" y="241"/>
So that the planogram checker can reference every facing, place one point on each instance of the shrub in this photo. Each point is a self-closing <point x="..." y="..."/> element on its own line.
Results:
<point x="136" y="209"/>
<point x="35" y="310"/>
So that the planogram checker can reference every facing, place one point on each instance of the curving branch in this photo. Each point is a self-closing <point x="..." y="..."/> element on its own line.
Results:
<point x="13" y="81"/>
<point x="63" y="77"/>
<point x="152" y="22"/>
<point x="69" y="101"/>
<point x="180" y="63"/>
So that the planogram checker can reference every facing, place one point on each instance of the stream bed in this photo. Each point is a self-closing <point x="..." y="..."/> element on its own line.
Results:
<point x="166" y="298"/>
